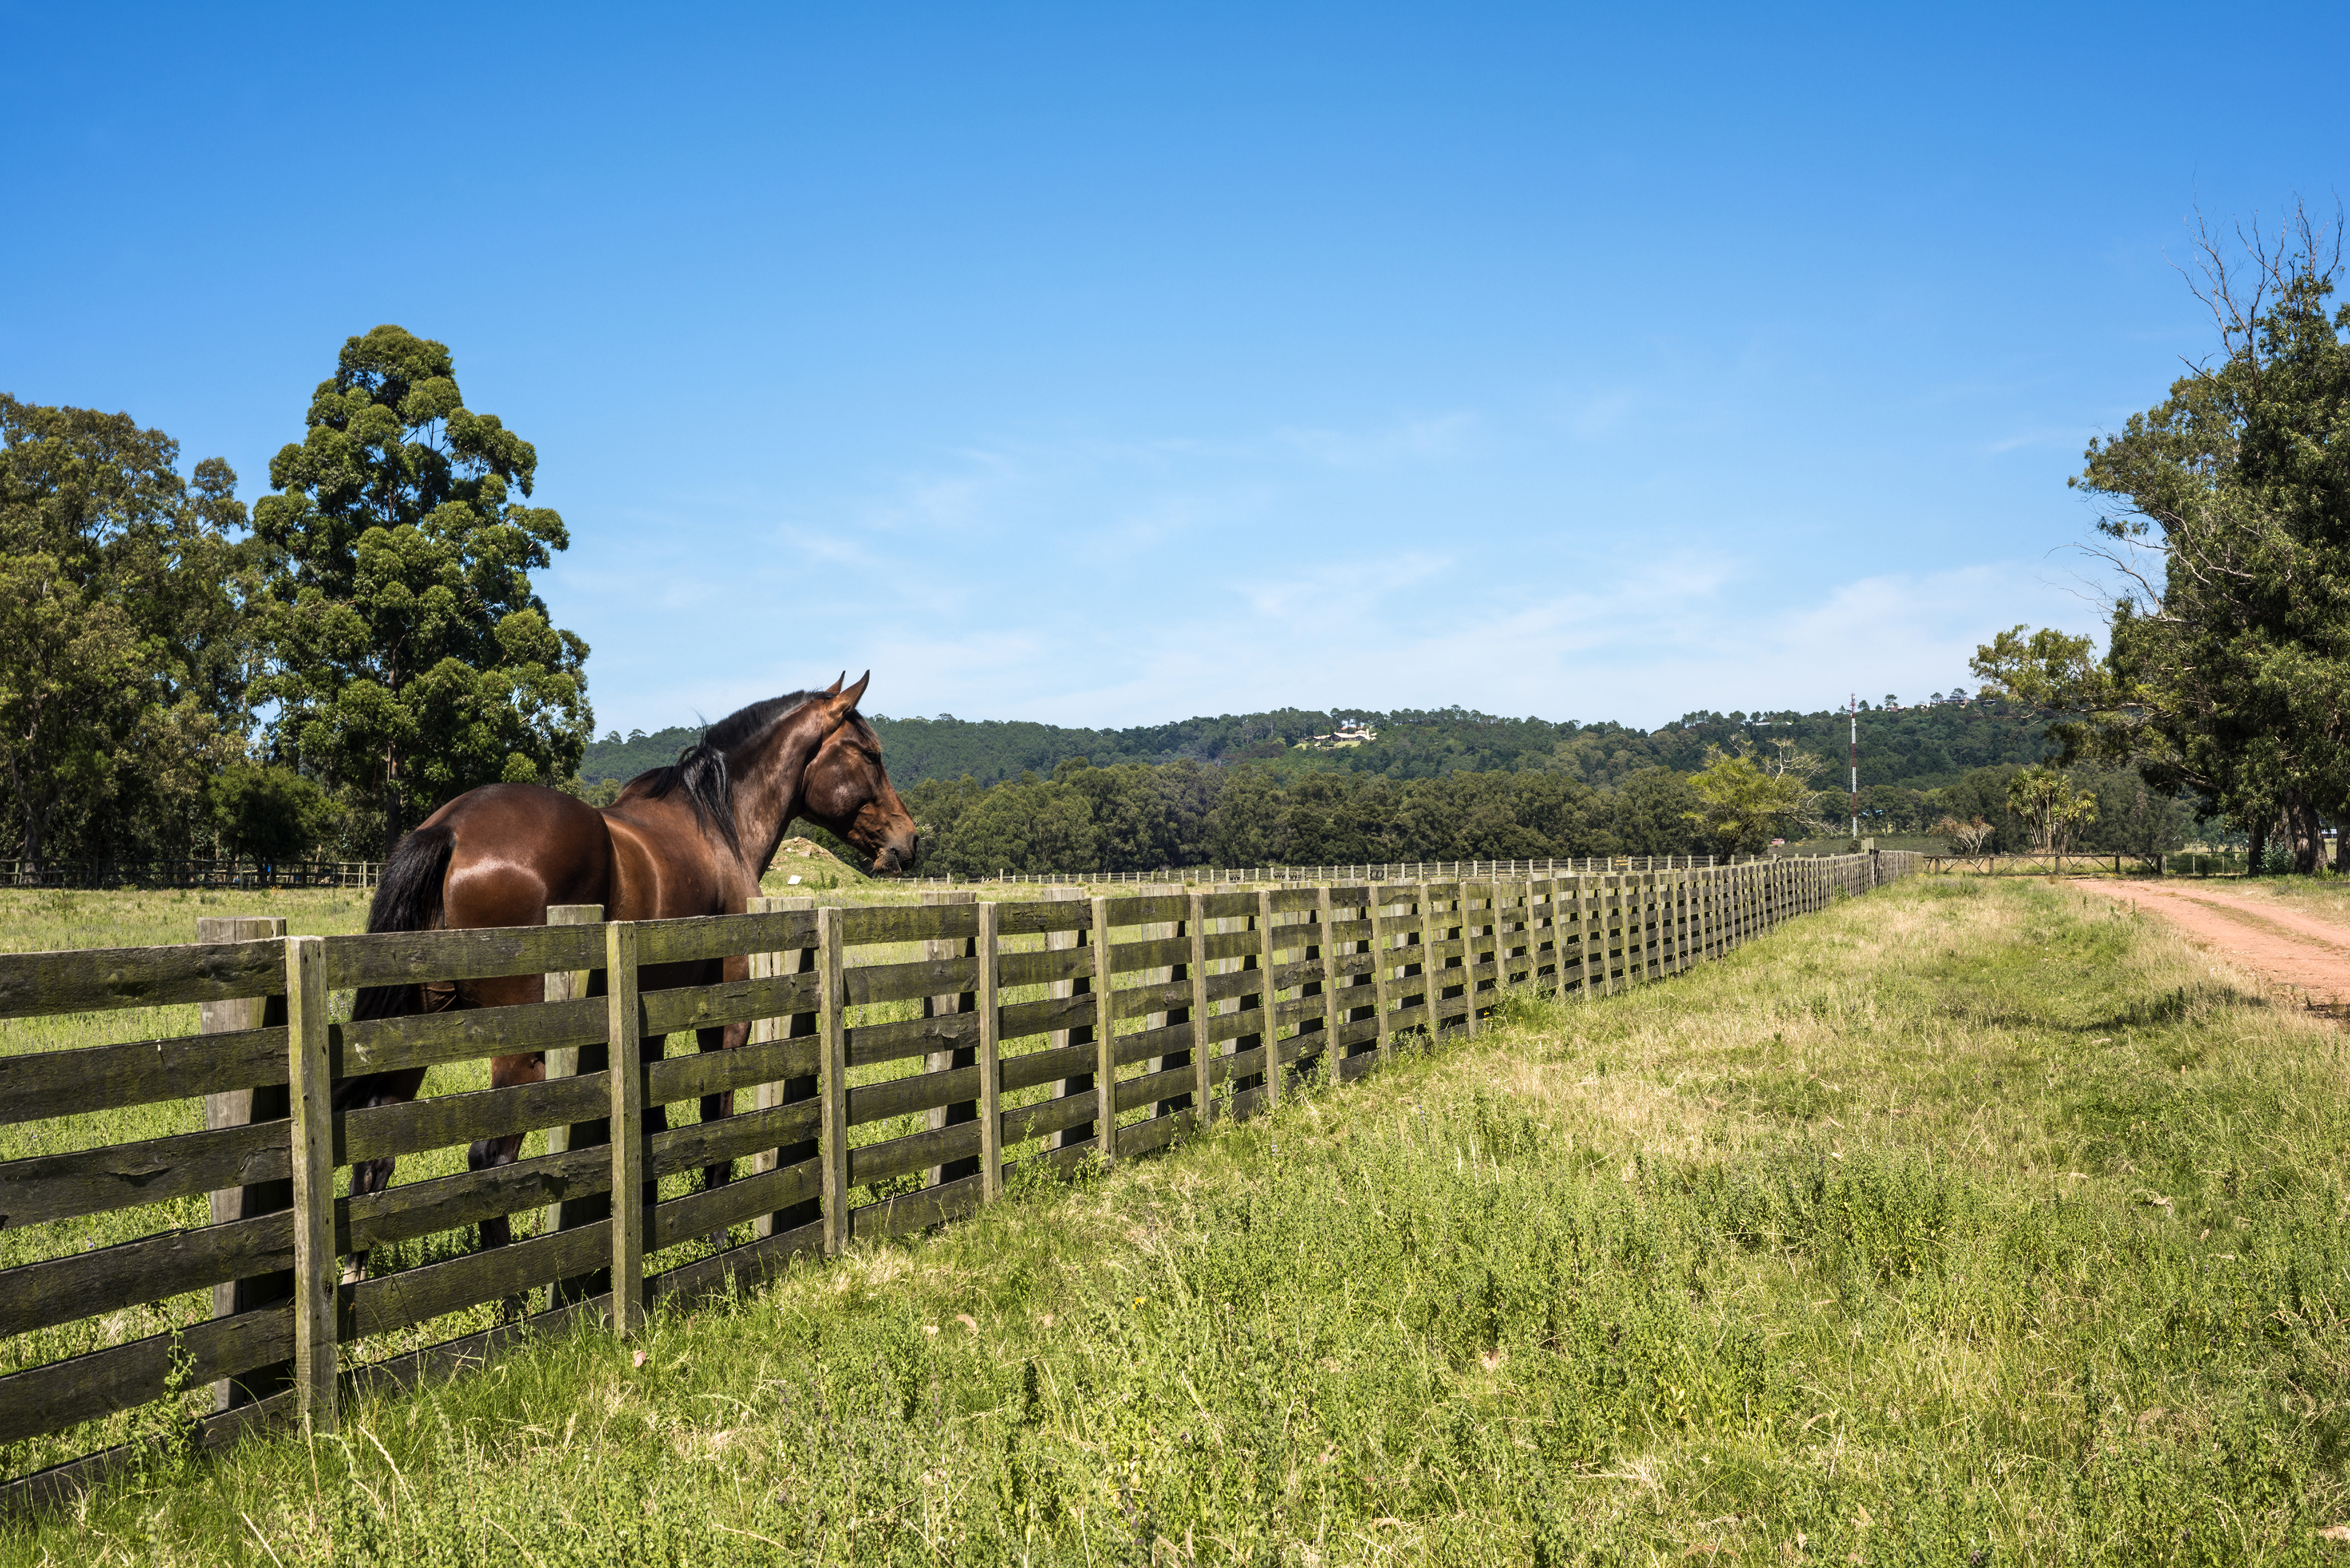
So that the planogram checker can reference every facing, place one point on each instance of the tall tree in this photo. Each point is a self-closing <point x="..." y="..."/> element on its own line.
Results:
<point x="2227" y="514"/>
<point x="1745" y="796"/>
<point x="412" y="660"/>
<point x="119" y="664"/>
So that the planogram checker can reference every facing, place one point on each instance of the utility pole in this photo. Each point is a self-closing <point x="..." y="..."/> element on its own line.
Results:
<point x="1852" y="708"/>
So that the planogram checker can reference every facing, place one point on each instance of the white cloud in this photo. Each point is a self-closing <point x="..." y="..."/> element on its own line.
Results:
<point x="1405" y="440"/>
<point x="1416" y="564"/>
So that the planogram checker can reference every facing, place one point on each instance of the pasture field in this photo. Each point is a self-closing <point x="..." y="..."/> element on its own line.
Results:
<point x="1968" y="1222"/>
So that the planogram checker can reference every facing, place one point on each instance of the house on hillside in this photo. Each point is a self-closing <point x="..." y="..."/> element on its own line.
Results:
<point x="1348" y="733"/>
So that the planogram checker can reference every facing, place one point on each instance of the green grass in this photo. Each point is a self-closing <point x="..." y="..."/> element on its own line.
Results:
<point x="1967" y="1223"/>
<point x="2324" y="897"/>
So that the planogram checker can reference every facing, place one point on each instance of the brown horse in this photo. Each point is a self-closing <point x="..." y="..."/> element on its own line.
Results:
<point x="688" y="839"/>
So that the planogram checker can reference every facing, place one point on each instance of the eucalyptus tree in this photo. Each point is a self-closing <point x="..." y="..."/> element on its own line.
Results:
<point x="411" y="658"/>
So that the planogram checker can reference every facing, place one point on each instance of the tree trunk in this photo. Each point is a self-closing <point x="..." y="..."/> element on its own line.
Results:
<point x="2257" y="832"/>
<point x="2308" y="837"/>
<point x="2341" y="847"/>
<point x="392" y="830"/>
<point x="36" y="814"/>
<point x="37" y="819"/>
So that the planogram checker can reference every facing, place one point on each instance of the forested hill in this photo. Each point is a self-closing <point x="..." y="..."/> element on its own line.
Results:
<point x="1924" y="746"/>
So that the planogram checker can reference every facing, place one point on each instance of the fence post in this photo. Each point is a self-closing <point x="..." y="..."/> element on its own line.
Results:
<point x="1580" y="893"/>
<point x="834" y="1076"/>
<point x="1104" y="1041"/>
<point x="243" y="1107"/>
<point x="991" y="1071"/>
<point x="1678" y="894"/>
<point x="1203" y="1052"/>
<point x="1324" y="949"/>
<point x="626" y="1078"/>
<point x="1701" y="915"/>
<point x="1534" y="944"/>
<point x="792" y="1091"/>
<point x="1468" y="954"/>
<point x="1061" y="941"/>
<point x="1656" y="938"/>
<point x="947" y="1004"/>
<point x="311" y="1098"/>
<point x="1264" y="1001"/>
<point x="565" y="985"/>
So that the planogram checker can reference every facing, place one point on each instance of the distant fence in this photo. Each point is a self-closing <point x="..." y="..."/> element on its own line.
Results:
<point x="188" y="874"/>
<point x="1400" y="871"/>
<point x="2085" y="863"/>
<point x="361" y="874"/>
<point x="911" y="1055"/>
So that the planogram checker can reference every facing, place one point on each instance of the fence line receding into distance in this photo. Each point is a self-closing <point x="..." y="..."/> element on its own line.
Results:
<point x="903" y="1060"/>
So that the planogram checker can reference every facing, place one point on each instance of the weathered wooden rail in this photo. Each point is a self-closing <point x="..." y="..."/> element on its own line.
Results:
<point x="994" y="1035"/>
<point x="1398" y="871"/>
<point x="2084" y="862"/>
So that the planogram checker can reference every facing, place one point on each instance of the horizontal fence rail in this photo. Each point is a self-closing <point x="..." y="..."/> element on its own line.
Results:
<point x="2070" y="863"/>
<point x="903" y="1061"/>
<point x="1400" y="871"/>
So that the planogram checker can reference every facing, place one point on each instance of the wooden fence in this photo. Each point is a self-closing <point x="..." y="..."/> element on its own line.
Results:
<point x="189" y="873"/>
<point x="361" y="874"/>
<point x="1402" y="871"/>
<point x="903" y="1060"/>
<point x="2088" y="863"/>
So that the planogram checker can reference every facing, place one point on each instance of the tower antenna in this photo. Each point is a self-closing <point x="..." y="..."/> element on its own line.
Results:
<point x="1852" y="708"/>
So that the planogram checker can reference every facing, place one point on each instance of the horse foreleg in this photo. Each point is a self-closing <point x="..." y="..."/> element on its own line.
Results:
<point x="719" y="1107"/>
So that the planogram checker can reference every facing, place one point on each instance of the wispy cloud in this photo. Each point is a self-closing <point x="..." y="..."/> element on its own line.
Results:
<point x="1089" y="581"/>
<point x="1428" y="439"/>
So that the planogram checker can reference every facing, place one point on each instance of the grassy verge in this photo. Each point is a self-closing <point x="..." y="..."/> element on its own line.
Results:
<point x="2324" y="897"/>
<point x="1967" y="1223"/>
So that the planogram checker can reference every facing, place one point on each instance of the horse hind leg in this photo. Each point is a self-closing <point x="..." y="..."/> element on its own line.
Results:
<point x="372" y="1176"/>
<point x="488" y="1154"/>
<point x="368" y="1177"/>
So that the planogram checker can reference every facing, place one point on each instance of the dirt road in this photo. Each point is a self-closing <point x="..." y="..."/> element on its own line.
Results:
<point x="2280" y="944"/>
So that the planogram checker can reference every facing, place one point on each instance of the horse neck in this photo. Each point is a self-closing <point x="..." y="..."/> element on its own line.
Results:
<point x="769" y="780"/>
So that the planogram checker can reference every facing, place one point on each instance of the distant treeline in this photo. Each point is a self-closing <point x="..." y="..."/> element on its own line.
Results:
<point x="1137" y="818"/>
<point x="1917" y="747"/>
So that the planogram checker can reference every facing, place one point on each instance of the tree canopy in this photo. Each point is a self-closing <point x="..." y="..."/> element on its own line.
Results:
<point x="2227" y="515"/>
<point x="121" y="651"/>
<point x="411" y="657"/>
<point x="1746" y="797"/>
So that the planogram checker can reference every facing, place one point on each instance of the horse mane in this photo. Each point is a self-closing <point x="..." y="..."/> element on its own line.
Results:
<point x="705" y="770"/>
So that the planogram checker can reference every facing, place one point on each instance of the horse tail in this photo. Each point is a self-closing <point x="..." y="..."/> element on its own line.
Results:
<point x="407" y="898"/>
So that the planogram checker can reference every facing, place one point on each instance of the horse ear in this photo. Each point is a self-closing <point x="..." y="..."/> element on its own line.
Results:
<point x="834" y="690"/>
<point x="850" y="698"/>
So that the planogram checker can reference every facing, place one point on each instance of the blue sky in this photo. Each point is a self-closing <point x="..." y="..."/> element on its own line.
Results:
<point x="1109" y="364"/>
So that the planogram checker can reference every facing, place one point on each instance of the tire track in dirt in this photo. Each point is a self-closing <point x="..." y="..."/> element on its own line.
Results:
<point x="2285" y="946"/>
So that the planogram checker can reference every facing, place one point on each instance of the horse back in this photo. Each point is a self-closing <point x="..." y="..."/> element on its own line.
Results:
<point x="519" y="849"/>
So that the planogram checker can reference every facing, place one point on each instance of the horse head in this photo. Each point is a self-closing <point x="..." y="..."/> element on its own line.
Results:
<point x="848" y="791"/>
